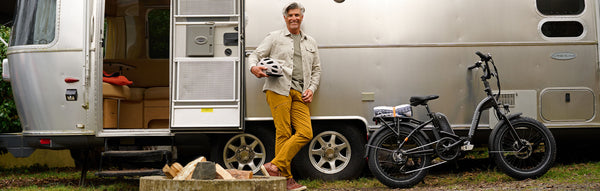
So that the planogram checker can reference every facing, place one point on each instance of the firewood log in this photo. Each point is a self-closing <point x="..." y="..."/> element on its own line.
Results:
<point x="186" y="172"/>
<point x="222" y="173"/>
<point x="240" y="174"/>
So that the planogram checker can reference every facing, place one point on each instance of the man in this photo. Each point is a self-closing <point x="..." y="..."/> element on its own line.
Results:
<point x="288" y="96"/>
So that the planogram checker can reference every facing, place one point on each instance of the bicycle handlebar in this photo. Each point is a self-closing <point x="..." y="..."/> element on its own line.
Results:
<point x="476" y="65"/>
<point x="487" y="71"/>
<point x="483" y="57"/>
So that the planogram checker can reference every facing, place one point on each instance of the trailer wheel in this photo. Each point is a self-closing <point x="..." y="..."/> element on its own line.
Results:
<point x="333" y="154"/>
<point x="247" y="151"/>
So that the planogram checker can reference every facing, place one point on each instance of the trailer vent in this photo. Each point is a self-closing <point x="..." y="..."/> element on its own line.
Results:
<point x="207" y="7"/>
<point x="519" y="101"/>
<point x="206" y="80"/>
<point x="508" y="98"/>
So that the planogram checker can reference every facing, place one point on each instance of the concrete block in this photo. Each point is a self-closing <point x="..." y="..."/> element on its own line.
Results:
<point x="257" y="183"/>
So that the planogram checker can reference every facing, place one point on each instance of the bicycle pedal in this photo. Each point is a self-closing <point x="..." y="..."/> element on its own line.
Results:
<point x="466" y="147"/>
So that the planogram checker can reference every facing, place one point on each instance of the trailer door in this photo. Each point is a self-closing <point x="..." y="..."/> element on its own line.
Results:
<point x="50" y="52"/>
<point x="206" y="62"/>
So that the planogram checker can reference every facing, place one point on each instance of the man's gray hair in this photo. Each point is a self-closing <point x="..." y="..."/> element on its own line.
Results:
<point x="293" y="5"/>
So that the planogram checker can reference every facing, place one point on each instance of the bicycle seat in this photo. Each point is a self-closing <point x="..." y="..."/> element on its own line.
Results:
<point x="422" y="100"/>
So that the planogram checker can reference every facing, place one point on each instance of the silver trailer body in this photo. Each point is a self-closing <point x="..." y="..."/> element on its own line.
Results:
<point x="373" y="53"/>
<point x="44" y="60"/>
<point x="383" y="52"/>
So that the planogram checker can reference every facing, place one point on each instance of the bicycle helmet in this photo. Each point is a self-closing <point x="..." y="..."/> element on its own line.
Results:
<point x="273" y="67"/>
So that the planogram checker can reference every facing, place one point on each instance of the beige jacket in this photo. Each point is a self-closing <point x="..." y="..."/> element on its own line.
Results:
<point x="279" y="45"/>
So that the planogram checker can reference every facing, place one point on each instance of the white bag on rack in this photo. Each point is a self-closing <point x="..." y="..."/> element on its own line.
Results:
<point x="403" y="110"/>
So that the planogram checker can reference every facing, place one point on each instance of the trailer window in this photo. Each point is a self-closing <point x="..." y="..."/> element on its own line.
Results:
<point x="560" y="7"/>
<point x="158" y="33"/>
<point x="34" y="22"/>
<point x="562" y="29"/>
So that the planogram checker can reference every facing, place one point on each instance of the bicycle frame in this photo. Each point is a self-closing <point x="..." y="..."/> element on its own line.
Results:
<point x="487" y="103"/>
<point x="407" y="151"/>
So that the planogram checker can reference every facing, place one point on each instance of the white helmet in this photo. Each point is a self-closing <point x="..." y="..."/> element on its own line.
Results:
<point x="273" y="67"/>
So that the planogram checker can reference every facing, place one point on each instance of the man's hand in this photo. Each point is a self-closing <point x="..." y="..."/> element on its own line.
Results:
<point x="258" y="71"/>
<point x="307" y="96"/>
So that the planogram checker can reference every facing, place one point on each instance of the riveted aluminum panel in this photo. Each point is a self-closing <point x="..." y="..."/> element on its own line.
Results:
<point x="397" y="49"/>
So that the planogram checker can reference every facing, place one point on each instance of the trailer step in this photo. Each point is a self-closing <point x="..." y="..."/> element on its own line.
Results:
<point x="136" y="153"/>
<point x="127" y="157"/>
<point x="139" y="155"/>
<point x="121" y="173"/>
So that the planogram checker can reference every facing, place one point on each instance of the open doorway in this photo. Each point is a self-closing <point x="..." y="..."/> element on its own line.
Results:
<point x="136" y="49"/>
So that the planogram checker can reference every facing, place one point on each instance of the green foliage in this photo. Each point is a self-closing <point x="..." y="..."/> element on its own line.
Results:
<point x="158" y="25"/>
<point x="9" y="119"/>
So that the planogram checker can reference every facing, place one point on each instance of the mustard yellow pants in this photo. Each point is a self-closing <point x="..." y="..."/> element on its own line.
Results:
<point x="289" y="112"/>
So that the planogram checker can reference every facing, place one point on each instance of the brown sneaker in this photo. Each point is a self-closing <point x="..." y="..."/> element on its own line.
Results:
<point x="272" y="169"/>
<point x="292" y="185"/>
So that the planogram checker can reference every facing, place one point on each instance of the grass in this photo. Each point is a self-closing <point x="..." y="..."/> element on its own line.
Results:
<point x="118" y="186"/>
<point x="41" y="172"/>
<point x="578" y="173"/>
<point x="38" y="177"/>
<point x="583" y="174"/>
<point x="362" y="182"/>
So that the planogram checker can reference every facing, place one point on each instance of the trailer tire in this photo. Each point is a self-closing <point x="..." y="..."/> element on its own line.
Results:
<point x="216" y="151"/>
<point x="260" y="148"/>
<point x="334" y="153"/>
<point x="267" y="136"/>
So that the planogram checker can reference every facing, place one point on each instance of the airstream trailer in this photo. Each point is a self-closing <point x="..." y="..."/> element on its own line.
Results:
<point x="192" y="91"/>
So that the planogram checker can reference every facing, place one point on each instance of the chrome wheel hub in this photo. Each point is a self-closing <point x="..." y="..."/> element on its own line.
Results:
<point x="329" y="152"/>
<point x="244" y="152"/>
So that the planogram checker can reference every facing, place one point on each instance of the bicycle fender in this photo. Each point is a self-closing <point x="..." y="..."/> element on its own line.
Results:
<point x="370" y="141"/>
<point x="501" y="123"/>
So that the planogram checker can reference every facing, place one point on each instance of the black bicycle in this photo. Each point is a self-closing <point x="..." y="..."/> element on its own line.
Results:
<point x="400" y="152"/>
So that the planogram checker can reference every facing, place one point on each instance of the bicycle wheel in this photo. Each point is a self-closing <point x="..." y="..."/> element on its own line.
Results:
<point x="533" y="159"/>
<point x="392" y="168"/>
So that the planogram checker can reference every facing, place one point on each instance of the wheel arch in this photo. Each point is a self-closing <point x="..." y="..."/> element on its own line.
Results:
<point x="260" y="123"/>
<point x="348" y="122"/>
<point x="317" y="121"/>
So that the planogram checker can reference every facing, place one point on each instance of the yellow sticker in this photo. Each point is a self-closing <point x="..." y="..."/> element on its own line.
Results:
<point x="206" y="110"/>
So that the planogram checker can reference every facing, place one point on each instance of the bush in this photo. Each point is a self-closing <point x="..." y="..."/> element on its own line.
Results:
<point x="9" y="119"/>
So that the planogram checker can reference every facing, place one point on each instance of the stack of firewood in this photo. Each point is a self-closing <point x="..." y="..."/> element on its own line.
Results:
<point x="201" y="169"/>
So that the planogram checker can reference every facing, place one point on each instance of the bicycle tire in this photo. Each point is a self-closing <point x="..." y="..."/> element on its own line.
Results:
<point x="386" y="170"/>
<point x="532" y="161"/>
